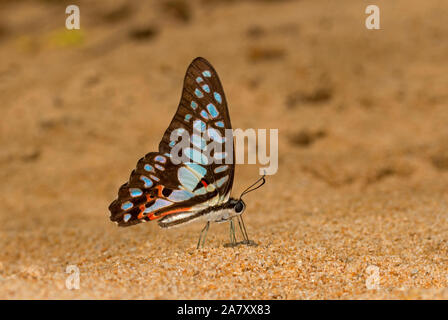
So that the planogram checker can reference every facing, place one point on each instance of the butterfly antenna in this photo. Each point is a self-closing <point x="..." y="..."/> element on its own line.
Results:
<point x="257" y="184"/>
<point x="254" y="186"/>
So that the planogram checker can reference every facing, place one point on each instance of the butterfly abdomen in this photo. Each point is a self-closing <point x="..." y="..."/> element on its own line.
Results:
<point x="218" y="213"/>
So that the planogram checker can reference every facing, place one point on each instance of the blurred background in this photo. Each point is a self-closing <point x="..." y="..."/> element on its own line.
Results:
<point x="363" y="159"/>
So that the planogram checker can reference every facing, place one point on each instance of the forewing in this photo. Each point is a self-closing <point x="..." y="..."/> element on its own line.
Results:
<point x="203" y="109"/>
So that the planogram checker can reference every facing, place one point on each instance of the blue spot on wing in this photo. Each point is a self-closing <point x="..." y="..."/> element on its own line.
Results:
<point x="219" y="124"/>
<point x="200" y="170"/>
<point x="199" y="79"/>
<point x="126" y="217"/>
<point x="206" y="73"/>
<point x="206" y="88"/>
<point x="221" y="168"/>
<point x="204" y="114"/>
<point x="135" y="192"/>
<point x="199" y="125"/>
<point x="212" y="110"/>
<point x="217" y="97"/>
<point x="160" y="203"/>
<point x="221" y="181"/>
<point x="127" y="205"/>
<point x="161" y="159"/>
<point x="187" y="178"/>
<point x="147" y="181"/>
<point x="180" y="195"/>
<point x="198" y="93"/>
<point x="148" y="168"/>
<point x="194" y="105"/>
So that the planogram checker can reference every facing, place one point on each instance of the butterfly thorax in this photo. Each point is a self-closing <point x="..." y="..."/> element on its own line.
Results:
<point x="226" y="211"/>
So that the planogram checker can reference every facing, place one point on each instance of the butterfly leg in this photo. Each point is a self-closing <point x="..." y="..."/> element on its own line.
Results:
<point x="242" y="228"/>
<point x="232" y="242"/>
<point x="203" y="235"/>
<point x="244" y="232"/>
<point x="232" y="233"/>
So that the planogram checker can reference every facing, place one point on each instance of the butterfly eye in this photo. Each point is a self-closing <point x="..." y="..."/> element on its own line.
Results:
<point x="239" y="207"/>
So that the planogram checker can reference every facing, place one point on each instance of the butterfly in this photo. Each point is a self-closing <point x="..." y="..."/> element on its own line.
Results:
<point x="195" y="189"/>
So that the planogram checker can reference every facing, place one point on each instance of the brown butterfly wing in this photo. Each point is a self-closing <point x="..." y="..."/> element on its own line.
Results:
<point x="158" y="187"/>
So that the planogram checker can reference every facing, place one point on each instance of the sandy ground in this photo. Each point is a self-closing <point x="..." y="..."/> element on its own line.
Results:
<point x="360" y="197"/>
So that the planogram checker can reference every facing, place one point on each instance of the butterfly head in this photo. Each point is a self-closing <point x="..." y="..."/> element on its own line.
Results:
<point x="238" y="206"/>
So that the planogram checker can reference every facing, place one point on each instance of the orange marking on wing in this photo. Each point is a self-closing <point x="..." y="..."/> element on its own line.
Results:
<point x="142" y="209"/>
<point x="159" y="189"/>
